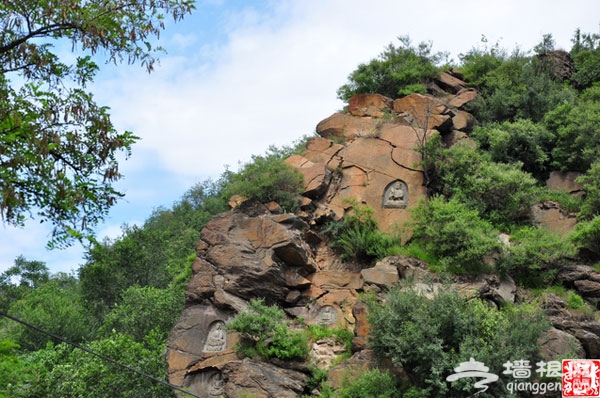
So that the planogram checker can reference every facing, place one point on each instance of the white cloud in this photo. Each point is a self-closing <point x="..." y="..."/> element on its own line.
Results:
<point x="275" y="78"/>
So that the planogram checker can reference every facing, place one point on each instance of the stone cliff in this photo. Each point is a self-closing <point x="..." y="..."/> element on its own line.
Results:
<point x="369" y="154"/>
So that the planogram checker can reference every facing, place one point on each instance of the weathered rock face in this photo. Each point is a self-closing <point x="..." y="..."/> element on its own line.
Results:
<point x="256" y="251"/>
<point x="371" y="153"/>
<point x="560" y="62"/>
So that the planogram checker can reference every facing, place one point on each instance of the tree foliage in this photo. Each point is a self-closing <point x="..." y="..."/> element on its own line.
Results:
<point x="267" y="178"/>
<point x="502" y="193"/>
<point x="455" y="234"/>
<point x="427" y="338"/>
<point x="398" y="71"/>
<point x="58" y="148"/>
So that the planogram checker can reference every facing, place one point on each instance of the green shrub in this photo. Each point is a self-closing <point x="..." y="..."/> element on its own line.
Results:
<point x="341" y="336"/>
<point x="576" y="127"/>
<point x="501" y="193"/>
<point x="521" y="141"/>
<point x="575" y="301"/>
<point x="427" y="338"/>
<point x="566" y="201"/>
<point x="267" y="178"/>
<point x="358" y="237"/>
<point x="398" y="71"/>
<point x="372" y="383"/>
<point x="587" y="237"/>
<point x="512" y="86"/>
<point x="535" y="256"/>
<point x="591" y="185"/>
<point x="265" y="333"/>
<point x="454" y="234"/>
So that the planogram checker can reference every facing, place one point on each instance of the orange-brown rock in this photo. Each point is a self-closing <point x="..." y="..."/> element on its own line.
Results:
<point x="316" y="175"/>
<point x="564" y="181"/>
<point x="382" y="274"/>
<point x="462" y="97"/>
<point x="550" y="216"/>
<point x="375" y="105"/>
<point x="425" y="111"/>
<point x="463" y="121"/>
<point x="346" y="126"/>
<point x="450" y="83"/>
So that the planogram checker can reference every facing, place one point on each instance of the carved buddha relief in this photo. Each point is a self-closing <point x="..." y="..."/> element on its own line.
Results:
<point x="215" y="385"/>
<point x="327" y="315"/>
<point x="395" y="195"/>
<point x="216" y="339"/>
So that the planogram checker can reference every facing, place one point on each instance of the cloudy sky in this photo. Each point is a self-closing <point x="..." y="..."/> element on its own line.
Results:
<point x="241" y="75"/>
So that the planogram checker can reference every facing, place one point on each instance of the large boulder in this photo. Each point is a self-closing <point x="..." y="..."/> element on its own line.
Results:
<point x="375" y="105"/>
<point x="342" y="126"/>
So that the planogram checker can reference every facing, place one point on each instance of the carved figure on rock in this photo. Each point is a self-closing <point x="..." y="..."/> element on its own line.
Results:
<point x="396" y="195"/>
<point x="216" y="384"/>
<point x="328" y="315"/>
<point x="217" y="338"/>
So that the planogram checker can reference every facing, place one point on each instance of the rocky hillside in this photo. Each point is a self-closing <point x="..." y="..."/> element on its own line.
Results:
<point x="370" y="154"/>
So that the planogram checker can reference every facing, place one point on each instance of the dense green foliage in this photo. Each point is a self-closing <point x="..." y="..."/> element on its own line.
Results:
<point x="454" y="234"/>
<point x="429" y="337"/>
<point x="266" y="334"/>
<point x="501" y="192"/>
<point x="535" y="256"/>
<point x="267" y="178"/>
<point x="398" y="71"/>
<point x="58" y="148"/>
<point x="358" y="236"/>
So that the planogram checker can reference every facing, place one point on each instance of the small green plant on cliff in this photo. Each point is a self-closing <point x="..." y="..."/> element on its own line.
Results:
<point x="358" y="237"/>
<point x="265" y="333"/>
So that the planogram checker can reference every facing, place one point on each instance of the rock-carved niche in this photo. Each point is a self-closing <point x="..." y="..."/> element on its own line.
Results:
<point x="216" y="339"/>
<point x="206" y="384"/>
<point x="215" y="385"/>
<point x="395" y="195"/>
<point x="327" y="315"/>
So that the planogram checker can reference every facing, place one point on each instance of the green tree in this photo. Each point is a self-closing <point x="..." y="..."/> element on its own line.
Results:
<point x="267" y="178"/>
<point x="144" y="310"/>
<point x="58" y="148"/>
<point x="591" y="185"/>
<point x="502" y="193"/>
<point x="56" y="307"/>
<point x="19" y="279"/>
<point x="428" y="338"/>
<point x="455" y="234"/>
<point x="577" y="130"/>
<point x="521" y="141"/>
<point x="62" y="371"/>
<point x="586" y="55"/>
<point x="398" y="71"/>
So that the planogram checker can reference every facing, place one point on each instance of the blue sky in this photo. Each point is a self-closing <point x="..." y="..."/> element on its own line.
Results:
<point x="242" y="75"/>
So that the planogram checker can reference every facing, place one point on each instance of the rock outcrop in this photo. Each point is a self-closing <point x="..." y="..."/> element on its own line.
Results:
<point x="371" y="155"/>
